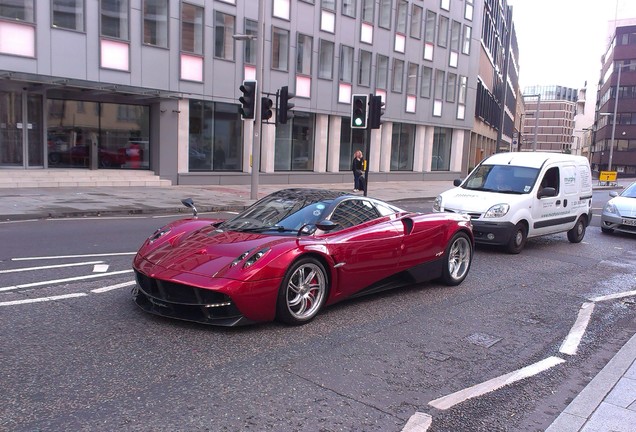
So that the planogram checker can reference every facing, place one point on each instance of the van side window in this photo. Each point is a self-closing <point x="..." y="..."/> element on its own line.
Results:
<point x="551" y="179"/>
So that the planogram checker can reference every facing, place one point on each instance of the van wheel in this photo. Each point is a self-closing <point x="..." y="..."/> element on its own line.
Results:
<point x="518" y="239"/>
<point x="576" y="234"/>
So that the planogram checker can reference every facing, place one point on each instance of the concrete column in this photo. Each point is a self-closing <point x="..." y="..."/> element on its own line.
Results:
<point x="376" y="149"/>
<point x="333" y="155"/>
<point x="321" y="138"/>
<point x="267" y="149"/>
<point x="418" y="154"/>
<point x="248" y="134"/>
<point x="182" y="114"/>
<point x="457" y="150"/>
<point x="385" y="147"/>
<point x="429" y="136"/>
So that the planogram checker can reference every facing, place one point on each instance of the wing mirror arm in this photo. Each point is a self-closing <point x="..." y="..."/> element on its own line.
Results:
<point x="188" y="202"/>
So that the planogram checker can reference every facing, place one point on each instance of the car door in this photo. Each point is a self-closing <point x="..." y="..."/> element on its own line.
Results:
<point x="366" y="247"/>
<point x="554" y="213"/>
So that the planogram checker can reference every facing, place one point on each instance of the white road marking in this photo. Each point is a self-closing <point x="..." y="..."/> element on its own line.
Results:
<point x="573" y="339"/>
<point x="613" y="296"/>
<point x="450" y="400"/>
<point x="56" y="281"/>
<point x="112" y="287"/>
<point x="73" y="256"/>
<point x="100" y="268"/>
<point x="42" y="299"/>
<point x="419" y="422"/>
<point x="50" y="267"/>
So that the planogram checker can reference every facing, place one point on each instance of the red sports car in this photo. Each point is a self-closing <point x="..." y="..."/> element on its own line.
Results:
<point x="293" y="252"/>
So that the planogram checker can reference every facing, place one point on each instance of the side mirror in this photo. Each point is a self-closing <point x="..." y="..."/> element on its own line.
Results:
<point x="457" y="182"/>
<point x="613" y="194"/>
<point x="188" y="202"/>
<point x="547" y="192"/>
<point x="326" y="225"/>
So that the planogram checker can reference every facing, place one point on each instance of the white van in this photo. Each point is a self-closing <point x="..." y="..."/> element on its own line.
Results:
<point x="513" y="196"/>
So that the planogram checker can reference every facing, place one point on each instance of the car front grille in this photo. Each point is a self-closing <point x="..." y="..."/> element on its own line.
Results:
<point x="185" y="302"/>
<point x="473" y="215"/>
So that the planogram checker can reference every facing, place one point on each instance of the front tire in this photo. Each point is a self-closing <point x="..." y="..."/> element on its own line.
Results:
<point x="518" y="239"/>
<point x="576" y="234"/>
<point x="302" y="293"/>
<point x="606" y="230"/>
<point x="457" y="259"/>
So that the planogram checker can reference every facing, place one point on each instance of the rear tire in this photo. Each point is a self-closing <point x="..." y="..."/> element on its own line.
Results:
<point x="576" y="234"/>
<point x="518" y="239"/>
<point x="457" y="259"/>
<point x="303" y="292"/>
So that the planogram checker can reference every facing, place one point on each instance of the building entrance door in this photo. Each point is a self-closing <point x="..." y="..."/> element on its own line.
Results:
<point x="21" y="144"/>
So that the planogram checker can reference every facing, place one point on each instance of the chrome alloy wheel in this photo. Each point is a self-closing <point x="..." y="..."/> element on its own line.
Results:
<point x="459" y="258"/>
<point x="305" y="291"/>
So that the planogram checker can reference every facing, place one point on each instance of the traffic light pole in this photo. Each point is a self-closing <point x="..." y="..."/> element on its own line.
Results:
<point x="367" y="145"/>
<point x="258" y="121"/>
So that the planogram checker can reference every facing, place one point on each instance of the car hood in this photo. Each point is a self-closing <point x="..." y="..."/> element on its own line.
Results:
<point x="626" y="206"/>
<point x="207" y="251"/>
<point x="469" y="201"/>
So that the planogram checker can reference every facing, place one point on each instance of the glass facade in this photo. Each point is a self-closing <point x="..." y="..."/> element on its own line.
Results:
<point x="351" y="140"/>
<point x="294" y="146"/>
<point x="402" y="147"/>
<point x="442" y="144"/>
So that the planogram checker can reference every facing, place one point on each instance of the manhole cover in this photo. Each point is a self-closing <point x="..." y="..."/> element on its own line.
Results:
<point x="437" y="356"/>
<point x="483" y="339"/>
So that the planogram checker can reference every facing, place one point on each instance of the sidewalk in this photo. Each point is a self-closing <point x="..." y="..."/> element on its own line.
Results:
<point x="608" y="403"/>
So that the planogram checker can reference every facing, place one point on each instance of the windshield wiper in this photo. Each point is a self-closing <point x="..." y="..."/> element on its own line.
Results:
<point x="277" y="228"/>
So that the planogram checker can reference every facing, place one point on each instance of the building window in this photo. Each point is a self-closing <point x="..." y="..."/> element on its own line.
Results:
<point x="411" y="79"/>
<point x="294" y="147"/>
<point x="367" y="10"/>
<point x="456" y="30"/>
<point x="402" y="147"/>
<point x="398" y="75"/>
<point x="429" y="27"/>
<point x="223" y="30"/>
<point x="346" y="64"/>
<point x="351" y="140"/>
<point x="280" y="49"/>
<point x="325" y="59"/>
<point x="442" y="31"/>
<point x="251" y="28"/>
<point x="416" y="21"/>
<point x="349" y="8"/>
<point x="215" y="141"/>
<point x="463" y="86"/>
<point x="191" y="28"/>
<point x="68" y="14"/>
<point x="328" y="5"/>
<point x="466" y="41"/>
<point x="382" y="72"/>
<point x="385" y="14"/>
<point x="18" y="10"/>
<point x="442" y="144"/>
<point x="114" y="18"/>
<point x="364" y="75"/>
<point x="156" y="23"/>
<point x="281" y="9"/>
<point x="304" y="51"/>
<point x="425" y="87"/>
<point x="402" y="12"/>
<point x="451" y="87"/>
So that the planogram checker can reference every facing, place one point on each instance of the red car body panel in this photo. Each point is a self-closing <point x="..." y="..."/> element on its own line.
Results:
<point x="194" y="253"/>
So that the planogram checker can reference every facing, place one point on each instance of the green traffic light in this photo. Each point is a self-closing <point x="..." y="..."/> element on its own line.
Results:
<point x="358" y="122"/>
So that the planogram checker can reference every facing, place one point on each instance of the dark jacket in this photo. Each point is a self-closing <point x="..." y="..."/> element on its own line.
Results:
<point x="356" y="166"/>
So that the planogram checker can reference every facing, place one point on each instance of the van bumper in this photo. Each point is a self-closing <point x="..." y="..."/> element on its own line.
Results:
<point x="494" y="233"/>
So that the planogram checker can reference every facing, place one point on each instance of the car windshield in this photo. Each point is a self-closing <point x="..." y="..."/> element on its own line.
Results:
<point x="502" y="179"/>
<point x="630" y="192"/>
<point x="279" y="213"/>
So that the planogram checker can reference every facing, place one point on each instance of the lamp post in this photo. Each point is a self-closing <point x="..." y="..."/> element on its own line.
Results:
<point x="257" y="129"/>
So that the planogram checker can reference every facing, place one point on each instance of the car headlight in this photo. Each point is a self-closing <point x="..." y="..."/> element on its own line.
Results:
<point x="610" y="208"/>
<point x="437" y="204"/>
<point x="240" y="258"/>
<point x="496" y="211"/>
<point x="255" y="257"/>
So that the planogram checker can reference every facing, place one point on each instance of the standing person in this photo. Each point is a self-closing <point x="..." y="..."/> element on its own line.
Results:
<point x="357" y="165"/>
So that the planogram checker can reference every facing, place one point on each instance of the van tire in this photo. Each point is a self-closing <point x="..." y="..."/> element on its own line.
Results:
<point x="576" y="234"/>
<point x="518" y="239"/>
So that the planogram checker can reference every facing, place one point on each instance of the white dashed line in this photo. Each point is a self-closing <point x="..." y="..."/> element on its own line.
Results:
<point x="42" y="299"/>
<point x="73" y="256"/>
<point x="57" y="281"/>
<point x="419" y="422"/>
<point x="613" y="296"/>
<point x="573" y="339"/>
<point x="50" y="267"/>
<point x="100" y="268"/>
<point x="453" y="399"/>
<point x="112" y="287"/>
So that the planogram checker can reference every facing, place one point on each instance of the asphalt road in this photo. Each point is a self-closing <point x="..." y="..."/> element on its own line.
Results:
<point x="77" y="354"/>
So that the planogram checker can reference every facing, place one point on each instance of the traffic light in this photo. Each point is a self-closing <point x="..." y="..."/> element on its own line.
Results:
<point x="359" y="111"/>
<point x="266" y="108"/>
<point x="283" y="111"/>
<point x="376" y="109"/>
<point x="248" y="100"/>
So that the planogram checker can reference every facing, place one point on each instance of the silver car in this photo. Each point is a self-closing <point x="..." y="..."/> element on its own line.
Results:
<point x="619" y="214"/>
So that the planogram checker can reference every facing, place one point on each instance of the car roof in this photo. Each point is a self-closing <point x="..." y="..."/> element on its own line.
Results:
<point x="531" y="159"/>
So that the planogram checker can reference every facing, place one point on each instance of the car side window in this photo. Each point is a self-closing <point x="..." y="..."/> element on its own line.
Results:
<point x="551" y="179"/>
<point x="353" y="212"/>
